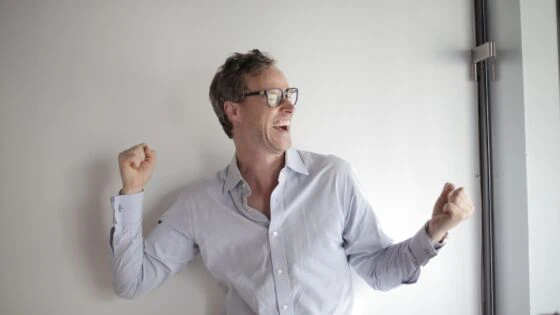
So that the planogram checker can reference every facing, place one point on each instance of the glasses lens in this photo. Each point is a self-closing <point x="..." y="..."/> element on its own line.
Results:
<point x="273" y="97"/>
<point x="291" y="95"/>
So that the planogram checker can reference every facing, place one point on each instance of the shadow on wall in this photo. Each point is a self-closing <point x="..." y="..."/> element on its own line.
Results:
<point x="88" y="227"/>
<point x="91" y="245"/>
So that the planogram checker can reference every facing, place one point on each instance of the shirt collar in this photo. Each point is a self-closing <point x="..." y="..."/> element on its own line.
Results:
<point x="294" y="161"/>
<point x="233" y="176"/>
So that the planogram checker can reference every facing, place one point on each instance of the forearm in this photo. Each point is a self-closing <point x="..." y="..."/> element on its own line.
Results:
<point x="396" y="264"/>
<point x="134" y="269"/>
<point x="127" y="258"/>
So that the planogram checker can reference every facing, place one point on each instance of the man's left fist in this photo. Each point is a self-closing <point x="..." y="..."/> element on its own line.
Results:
<point x="452" y="207"/>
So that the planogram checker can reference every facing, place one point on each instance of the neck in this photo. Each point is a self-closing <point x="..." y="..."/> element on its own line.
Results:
<point x="260" y="169"/>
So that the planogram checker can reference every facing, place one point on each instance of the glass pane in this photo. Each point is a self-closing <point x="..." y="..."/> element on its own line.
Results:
<point x="273" y="96"/>
<point x="292" y="95"/>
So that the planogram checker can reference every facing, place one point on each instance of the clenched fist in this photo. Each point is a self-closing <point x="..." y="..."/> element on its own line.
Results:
<point x="451" y="208"/>
<point x="136" y="166"/>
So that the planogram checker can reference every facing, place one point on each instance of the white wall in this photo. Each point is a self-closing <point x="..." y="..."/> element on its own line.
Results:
<point x="527" y="141"/>
<point x="382" y="84"/>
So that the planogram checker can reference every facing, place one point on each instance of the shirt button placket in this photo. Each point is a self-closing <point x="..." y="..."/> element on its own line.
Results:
<point x="279" y="264"/>
<point x="281" y="279"/>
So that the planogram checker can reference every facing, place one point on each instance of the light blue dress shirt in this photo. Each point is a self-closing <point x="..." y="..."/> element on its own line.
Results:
<point x="298" y="262"/>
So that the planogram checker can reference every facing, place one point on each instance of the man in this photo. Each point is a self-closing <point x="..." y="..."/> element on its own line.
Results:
<point x="278" y="228"/>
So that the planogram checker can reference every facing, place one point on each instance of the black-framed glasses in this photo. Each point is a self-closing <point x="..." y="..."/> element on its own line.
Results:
<point x="275" y="96"/>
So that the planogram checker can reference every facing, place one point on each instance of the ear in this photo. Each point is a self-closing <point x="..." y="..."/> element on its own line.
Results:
<point x="232" y="112"/>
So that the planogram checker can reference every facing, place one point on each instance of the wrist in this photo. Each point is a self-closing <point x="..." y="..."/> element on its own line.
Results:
<point x="434" y="235"/>
<point x="130" y="190"/>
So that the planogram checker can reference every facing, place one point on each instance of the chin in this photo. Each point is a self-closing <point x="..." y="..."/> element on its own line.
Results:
<point x="280" y="147"/>
<point x="280" y="144"/>
<point x="285" y="146"/>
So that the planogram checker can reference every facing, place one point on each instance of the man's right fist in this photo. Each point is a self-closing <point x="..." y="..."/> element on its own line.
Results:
<point x="136" y="166"/>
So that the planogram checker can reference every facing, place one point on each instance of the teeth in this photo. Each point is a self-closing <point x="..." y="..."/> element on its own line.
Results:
<point x="282" y="123"/>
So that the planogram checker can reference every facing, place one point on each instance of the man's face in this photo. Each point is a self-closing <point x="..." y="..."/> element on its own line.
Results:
<point x="260" y="126"/>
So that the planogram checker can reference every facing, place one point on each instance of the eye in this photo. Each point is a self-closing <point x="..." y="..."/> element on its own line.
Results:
<point x="291" y="95"/>
<point x="273" y="98"/>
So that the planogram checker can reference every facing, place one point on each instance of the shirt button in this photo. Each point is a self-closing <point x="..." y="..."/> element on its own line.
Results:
<point x="285" y="307"/>
<point x="275" y="233"/>
<point x="279" y="271"/>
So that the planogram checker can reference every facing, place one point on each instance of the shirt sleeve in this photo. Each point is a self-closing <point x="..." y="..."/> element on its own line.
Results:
<point x="140" y="265"/>
<point x="381" y="263"/>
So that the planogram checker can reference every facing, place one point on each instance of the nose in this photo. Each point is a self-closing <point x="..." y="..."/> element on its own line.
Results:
<point x="286" y="106"/>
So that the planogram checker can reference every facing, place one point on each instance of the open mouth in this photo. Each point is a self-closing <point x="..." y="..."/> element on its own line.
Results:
<point x="282" y="125"/>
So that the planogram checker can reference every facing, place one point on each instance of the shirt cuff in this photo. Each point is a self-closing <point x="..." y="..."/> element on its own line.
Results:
<point x="437" y="245"/>
<point x="127" y="208"/>
<point x="421" y="247"/>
